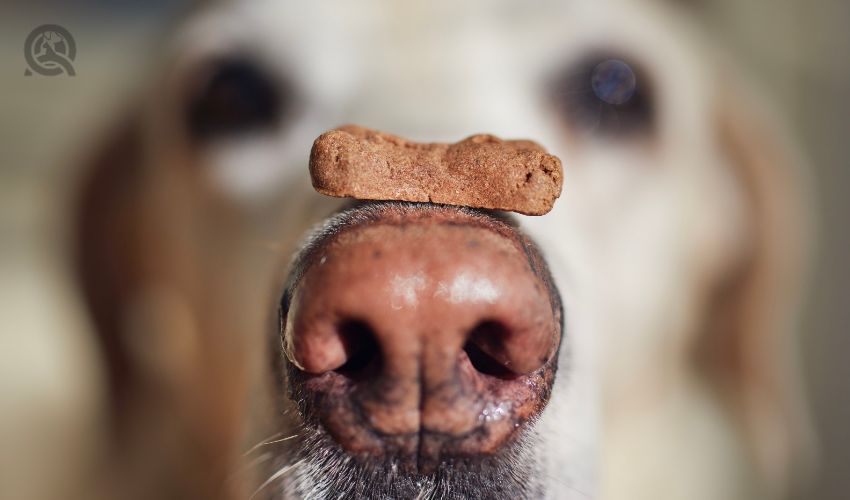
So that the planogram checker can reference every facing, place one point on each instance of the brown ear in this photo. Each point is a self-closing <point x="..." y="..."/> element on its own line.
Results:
<point x="750" y="348"/>
<point x="175" y="369"/>
<point x="106" y="238"/>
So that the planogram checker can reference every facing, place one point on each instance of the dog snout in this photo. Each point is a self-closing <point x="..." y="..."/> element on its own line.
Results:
<point x="426" y="331"/>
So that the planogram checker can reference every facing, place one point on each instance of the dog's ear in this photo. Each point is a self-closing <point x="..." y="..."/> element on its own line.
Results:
<point x="175" y="385"/>
<point x="750" y="345"/>
<point x="106" y="221"/>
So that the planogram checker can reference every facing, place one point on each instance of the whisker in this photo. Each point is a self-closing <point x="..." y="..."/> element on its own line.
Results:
<point x="266" y="443"/>
<point x="283" y="470"/>
<point x="276" y="434"/>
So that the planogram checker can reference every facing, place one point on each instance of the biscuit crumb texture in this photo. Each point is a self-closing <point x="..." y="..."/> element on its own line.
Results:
<point x="481" y="171"/>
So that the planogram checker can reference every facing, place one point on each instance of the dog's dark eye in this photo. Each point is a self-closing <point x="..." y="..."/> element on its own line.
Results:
<point x="236" y="97"/>
<point x="607" y="96"/>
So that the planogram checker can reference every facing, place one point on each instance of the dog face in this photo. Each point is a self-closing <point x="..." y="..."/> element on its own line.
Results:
<point x="659" y="274"/>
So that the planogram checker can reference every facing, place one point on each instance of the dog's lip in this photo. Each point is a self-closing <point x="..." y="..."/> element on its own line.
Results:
<point x="501" y="421"/>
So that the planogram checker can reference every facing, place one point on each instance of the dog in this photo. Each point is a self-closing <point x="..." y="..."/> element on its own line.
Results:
<point x="675" y="254"/>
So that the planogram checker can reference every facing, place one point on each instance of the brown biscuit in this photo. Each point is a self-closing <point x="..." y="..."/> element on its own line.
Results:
<point x="481" y="171"/>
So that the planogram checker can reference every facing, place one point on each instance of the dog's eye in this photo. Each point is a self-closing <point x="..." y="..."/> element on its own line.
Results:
<point x="606" y="96"/>
<point x="236" y="97"/>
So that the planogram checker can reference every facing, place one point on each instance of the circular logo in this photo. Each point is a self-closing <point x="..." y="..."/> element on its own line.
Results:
<point x="50" y="50"/>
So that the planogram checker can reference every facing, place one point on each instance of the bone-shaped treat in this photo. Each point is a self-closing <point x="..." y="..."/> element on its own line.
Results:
<point x="481" y="171"/>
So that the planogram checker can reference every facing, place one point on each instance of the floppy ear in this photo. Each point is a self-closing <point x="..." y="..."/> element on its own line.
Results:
<point x="175" y="370"/>
<point x="751" y="344"/>
<point x="106" y="224"/>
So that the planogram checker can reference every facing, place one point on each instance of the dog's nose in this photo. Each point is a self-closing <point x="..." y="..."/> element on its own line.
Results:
<point x="419" y="329"/>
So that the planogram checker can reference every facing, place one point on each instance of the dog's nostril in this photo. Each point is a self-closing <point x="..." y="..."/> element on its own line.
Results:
<point x="363" y="355"/>
<point x="485" y="349"/>
<point x="486" y="364"/>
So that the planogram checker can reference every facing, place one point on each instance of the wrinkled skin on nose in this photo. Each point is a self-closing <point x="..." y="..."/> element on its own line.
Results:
<point x="425" y="333"/>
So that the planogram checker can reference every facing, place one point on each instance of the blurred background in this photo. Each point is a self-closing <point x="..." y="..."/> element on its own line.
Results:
<point x="799" y="51"/>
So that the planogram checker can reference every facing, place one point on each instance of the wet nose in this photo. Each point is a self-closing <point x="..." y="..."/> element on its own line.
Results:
<point x="409" y="334"/>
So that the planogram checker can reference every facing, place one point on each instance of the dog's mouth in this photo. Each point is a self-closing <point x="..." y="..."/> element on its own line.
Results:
<point x="347" y="408"/>
<point x="419" y="346"/>
<point x="314" y="465"/>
